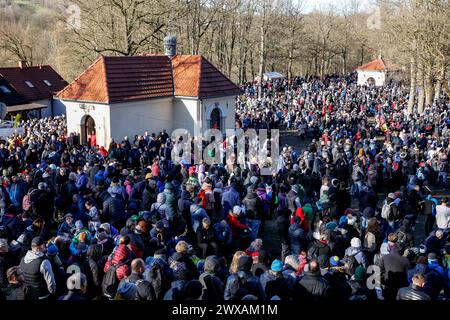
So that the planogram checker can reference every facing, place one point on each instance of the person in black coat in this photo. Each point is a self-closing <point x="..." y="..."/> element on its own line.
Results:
<point x="114" y="210"/>
<point x="16" y="288"/>
<point x="6" y="262"/>
<point x="182" y="255"/>
<point x="415" y="290"/>
<point x="297" y="237"/>
<point x="213" y="286"/>
<point x="253" y="204"/>
<point x="312" y="286"/>
<point x="394" y="268"/>
<point x="206" y="239"/>
<point x="282" y="224"/>
<point x="42" y="203"/>
<point x="184" y="206"/>
<point x="149" y="195"/>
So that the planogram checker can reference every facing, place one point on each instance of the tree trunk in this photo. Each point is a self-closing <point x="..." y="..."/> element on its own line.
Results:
<point x="428" y="83"/>
<point x="420" y="83"/>
<point x="289" y="68"/>
<point x="413" y="83"/>
<point x="440" y="80"/>
<point x="261" y="59"/>
<point x="344" y="63"/>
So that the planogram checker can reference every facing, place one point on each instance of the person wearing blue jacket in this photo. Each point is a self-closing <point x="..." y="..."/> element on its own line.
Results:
<point x="223" y="234"/>
<point x="197" y="214"/>
<point x="82" y="180"/>
<point x="17" y="191"/>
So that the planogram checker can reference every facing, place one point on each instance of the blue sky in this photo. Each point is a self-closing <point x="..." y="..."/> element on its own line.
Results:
<point x="310" y="5"/>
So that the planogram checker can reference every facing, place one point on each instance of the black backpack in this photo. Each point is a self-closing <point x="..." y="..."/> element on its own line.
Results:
<point x="239" y="288"/>
<point x="155" y="215"/>
<point x="110" y="281"/>
<point x="156" y="279"/>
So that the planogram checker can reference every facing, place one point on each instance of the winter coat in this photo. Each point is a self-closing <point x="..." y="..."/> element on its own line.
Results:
<point x="15" y="292"/>
<point x="176" y="291"/>
<point x="274" y="285"/>
<point x="230" y="199"/>
<point x="358" y="254"/>
<point x="252" y="285"/>
<point x="186" y="259"/>
<point x="205" y="235"/>
<point x="114" y="210"/>
<point x="223" y="235"/>
<point x="312" y="286"/>
<point x="122" y="254"/>
<point x="213" y="287"/>
<point x="197" y="215"/>
<point x="394" y="269"/>
<point x="412" y="292"/>
<point x="254" y="206"/>
<point x="297" y="239"/>
<point x="235" y="225"/>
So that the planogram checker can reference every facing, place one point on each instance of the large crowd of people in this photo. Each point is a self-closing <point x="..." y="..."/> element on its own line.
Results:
<point x="124" y="222"/>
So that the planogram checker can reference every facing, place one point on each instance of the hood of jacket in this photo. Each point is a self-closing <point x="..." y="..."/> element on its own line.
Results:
<point x="31" y="256"/>
<point x="195" y="207"/>
<point x="185" y="195"/>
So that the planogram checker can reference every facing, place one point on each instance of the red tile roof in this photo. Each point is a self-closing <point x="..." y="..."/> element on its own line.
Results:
<point x="195" y="76"/>
<point x="119" y="79"/>
<point x="377" y="65"/>
<point x="17" y="76"/>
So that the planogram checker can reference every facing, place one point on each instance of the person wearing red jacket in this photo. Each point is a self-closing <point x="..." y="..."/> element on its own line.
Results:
<point x="233" y="221"/>
<point x="301" y="214"/>
<point x="122" y="254"/>
<point x="238" y="228"/>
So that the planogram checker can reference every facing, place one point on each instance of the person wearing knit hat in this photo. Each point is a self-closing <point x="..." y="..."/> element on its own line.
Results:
<point x="148" y="176"/>
<point x="77" y="286"/>
<point x="355" y="250"/>
<point x="126" y="291"/>
<point x="335" y="261"/>
<point x="292" y="262"/>
<point x="168" y="186"/>
<point x="253" y="180"/>
<point x="52" y="250"/>
<point x="277" y="265"/>
<point x="360" y="274"/>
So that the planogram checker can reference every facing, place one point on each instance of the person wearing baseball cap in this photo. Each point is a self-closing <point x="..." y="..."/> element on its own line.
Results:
<point x="37" y="270"/>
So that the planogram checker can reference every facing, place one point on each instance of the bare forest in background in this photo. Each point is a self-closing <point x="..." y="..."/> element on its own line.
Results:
<point x="243" y="38"/>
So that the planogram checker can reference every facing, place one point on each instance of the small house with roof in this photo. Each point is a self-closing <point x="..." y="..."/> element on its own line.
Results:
<point x="124" y="96"/>
<point x="376" y="72"/>
<point x="30" y="90"/>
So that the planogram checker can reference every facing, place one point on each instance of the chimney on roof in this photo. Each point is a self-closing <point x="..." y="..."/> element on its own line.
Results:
<point x="170" y="43"/>
<point x="22" y="64"/>
<point x="170" y="46"/>
<point x="380" y="57"/>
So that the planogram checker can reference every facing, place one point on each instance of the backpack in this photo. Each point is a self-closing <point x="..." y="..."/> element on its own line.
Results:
<point x="313" y="252"/>
<point x="351" y="264"/>
<point x="239" y="288"/>
<point x="155" y="277"/>
<point x="110" y="281"/>
<point x="155" y="215"/>
<point x="386" y="211"/>
<point x="209" y="289"/>
<point x="26" y="202"/>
